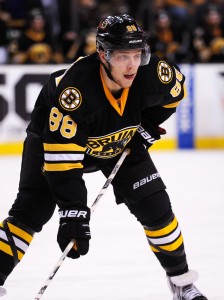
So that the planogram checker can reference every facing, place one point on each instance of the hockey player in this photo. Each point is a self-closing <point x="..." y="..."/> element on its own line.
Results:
<point x="83" y="119"/>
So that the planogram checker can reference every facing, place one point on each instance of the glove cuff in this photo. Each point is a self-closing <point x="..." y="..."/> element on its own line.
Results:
<point x="74" y="214"/>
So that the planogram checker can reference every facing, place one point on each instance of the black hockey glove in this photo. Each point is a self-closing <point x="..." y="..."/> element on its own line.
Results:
<point x="74" y="224"/>
<point x="146" y="136"/>
<point x="150" y="134"/>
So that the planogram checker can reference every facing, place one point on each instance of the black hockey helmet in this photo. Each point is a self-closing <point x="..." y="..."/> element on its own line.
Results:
<point x="121" y="32"/>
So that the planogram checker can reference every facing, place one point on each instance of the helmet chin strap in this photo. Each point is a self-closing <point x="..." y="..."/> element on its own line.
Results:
<point x="108" y="71"/>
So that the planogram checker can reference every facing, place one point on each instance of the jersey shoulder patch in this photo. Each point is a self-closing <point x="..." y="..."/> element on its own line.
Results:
<point x="70" y="98"/>
<point x="164" y="71"/>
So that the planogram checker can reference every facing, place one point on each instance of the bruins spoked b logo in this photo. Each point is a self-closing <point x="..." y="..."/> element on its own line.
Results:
<point x="165" y="72"/>
<point x="70" y="99"/>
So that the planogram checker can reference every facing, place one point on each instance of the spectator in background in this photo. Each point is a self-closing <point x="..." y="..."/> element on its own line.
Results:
<point x="202" y="7"/>
<point x="168" y="43"/>
<point x="17" y="11"/>
<point x="51" y="12"/>
<point x="208" y="40"/>
<point x="178" y="28"/>
<point x="69" y="23"/>
<point x="87" y="47"/>
<point x="35" y="45"/>
<point x="90" y="12"/>
<point x="78" y="39"/>
<point x="178" y="9"/>
<point x="147" y="12"/>
<point x="182" y="16"/>
<point x="4" y="18"/>
<point x="198" y="9"/>
<point x="13" y="15"/>
<point x="134" y="5"/>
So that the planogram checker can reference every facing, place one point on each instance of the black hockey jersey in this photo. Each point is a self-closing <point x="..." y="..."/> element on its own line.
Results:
<point x="77" y="116"/>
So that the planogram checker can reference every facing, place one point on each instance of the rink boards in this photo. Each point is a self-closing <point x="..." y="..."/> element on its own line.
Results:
<point x="199" y="122"/>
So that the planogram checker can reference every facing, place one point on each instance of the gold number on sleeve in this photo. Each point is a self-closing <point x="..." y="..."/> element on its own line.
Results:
<point x="55" y="119"/>
<point x="175" y="91"/>
<point x="67" y="126"/>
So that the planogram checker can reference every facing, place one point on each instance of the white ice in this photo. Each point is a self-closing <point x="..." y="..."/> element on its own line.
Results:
<point x="120" y="265"/>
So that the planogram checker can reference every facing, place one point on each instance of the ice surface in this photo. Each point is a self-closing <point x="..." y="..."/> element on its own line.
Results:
<point x="120" y="265"/>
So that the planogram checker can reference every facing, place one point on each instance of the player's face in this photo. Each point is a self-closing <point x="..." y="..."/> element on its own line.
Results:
<point x="124" y="66"/>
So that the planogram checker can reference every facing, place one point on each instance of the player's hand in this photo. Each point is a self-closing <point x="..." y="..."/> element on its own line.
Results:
<point x="150" y="134"/>
<point x="146" y="136"/>
<point x="74" y="224"/>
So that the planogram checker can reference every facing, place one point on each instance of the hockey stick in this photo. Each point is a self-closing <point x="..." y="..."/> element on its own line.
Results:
<point x="93" y="207"/>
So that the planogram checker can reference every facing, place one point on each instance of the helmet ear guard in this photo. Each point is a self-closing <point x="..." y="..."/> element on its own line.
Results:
<point x="122" y="33"/>
<point x="146" y="55"/>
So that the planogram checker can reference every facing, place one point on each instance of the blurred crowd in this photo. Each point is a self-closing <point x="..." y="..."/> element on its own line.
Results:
<point x="59" y="31"/>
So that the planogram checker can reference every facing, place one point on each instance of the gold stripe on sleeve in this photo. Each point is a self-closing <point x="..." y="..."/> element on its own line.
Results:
<point x="62" y="167"/>
<point x="172" y="105"/>
<point x="63" y="147"/>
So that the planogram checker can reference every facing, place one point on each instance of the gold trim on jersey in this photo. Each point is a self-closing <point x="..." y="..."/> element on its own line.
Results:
<point x="64" y="147"/>
<point x="172" y="105"/>
<point x="63" y="157"/>
<point x="62" y="166"/>
<point x="175" y="104"/>
<point x="110" y="145"/>
<point x="58" y="79"/>
<point x="118" y="104"/>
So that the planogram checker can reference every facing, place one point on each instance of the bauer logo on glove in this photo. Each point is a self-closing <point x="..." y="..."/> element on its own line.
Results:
<point x="74" y="224"/>
<point x="73" y="214"/>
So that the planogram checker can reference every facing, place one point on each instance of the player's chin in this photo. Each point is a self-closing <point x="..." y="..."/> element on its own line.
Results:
<point x="127" y="82"/>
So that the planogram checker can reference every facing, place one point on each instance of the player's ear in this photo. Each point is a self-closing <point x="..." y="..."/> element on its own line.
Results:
<point x="102" y="56"/>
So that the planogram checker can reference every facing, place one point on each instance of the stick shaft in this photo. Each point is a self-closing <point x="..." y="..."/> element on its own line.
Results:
<point x="93" y="207"/>
<point x="109" y="179"/>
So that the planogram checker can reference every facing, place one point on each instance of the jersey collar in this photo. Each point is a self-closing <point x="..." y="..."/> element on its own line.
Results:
<point x="118" y="104"/>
